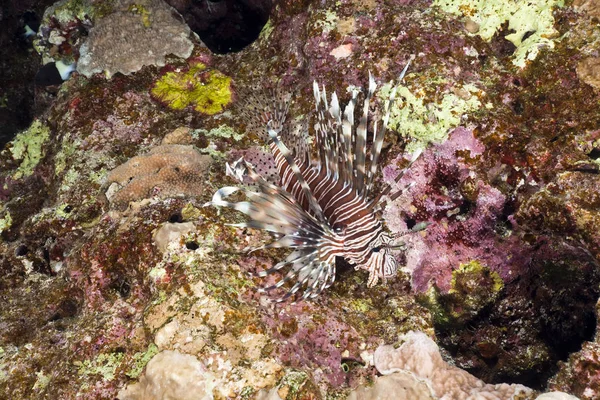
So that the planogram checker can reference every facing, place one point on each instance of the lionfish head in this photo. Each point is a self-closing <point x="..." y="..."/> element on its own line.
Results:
<point x="380" y="262"/>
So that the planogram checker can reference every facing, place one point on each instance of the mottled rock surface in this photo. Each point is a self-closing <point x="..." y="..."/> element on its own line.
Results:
<point x="505" y="275"/>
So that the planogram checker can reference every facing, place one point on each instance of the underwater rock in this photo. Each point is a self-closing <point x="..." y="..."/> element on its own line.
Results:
<point x="506" y="188"/>
<point x="588" y="71"/>
<point x="172" y="375"/>
<point x="420" y="355"/>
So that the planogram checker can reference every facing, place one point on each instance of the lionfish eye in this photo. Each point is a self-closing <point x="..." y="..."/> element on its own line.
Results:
<point x="376" y="249"/>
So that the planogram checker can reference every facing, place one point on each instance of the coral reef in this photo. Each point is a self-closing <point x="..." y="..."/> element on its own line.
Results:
<point x="27" y="149"/>
<point x="579" y="375"/>
<point x="99" y="299"/>
<point x="172" y="375"/>
<point x="532" y="25"/>
<point x="136" y="34"/>
<point x="415" y="369"/>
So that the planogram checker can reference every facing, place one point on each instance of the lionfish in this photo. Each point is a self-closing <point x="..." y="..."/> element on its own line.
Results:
<point x="322" y="208"/>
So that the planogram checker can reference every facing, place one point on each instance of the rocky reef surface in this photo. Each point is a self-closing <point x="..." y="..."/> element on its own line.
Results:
<point x="115" y="282"/>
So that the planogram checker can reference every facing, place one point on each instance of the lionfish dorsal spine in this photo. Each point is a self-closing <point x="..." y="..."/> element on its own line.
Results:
<point x="289" y="158"/>
<point x="347" y="126"/>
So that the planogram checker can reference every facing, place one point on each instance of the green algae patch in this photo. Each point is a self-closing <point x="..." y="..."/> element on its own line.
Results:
<point x="207" y="91"/>
<point x="66" y="12"/>
<point x="66" y="155"/>
<point x="223" y="131"/>
<point x="472" y="288"/>
<point x="424" y="122"/>
<point x="266" y="31"/>
<point x="531" y="22"/>
<point x="220" y="132"/>
<point x="140" y="360"/>
<point x="28" y="148"/>
<point x="104" y="365"/>
<point x="328" y="21"/>
<point x="469" y="280"/>
<point x="142" y="12"/>
<point x="41" y="382"/>
<point x="5" y="223"/>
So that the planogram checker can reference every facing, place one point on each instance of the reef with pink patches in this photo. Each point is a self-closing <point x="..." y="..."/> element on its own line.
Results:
<point x="505" y="275"/>
<point x="462" y="209"/>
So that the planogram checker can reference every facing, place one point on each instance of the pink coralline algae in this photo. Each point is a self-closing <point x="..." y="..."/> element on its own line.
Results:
<point x="309" y="335"/>
<point x="462" y="208"/>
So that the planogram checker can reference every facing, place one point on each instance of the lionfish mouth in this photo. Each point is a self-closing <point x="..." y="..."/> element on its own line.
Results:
<point x="312" y="197"/>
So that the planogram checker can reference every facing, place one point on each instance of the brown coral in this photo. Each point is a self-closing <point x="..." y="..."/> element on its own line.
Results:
<point x="137" y="34"/>
<point x="588" y="70"/>
<point x="166" y="171"/>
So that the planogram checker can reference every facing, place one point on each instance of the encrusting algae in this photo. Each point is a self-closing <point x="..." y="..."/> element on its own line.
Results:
<point x="208" y="91"/>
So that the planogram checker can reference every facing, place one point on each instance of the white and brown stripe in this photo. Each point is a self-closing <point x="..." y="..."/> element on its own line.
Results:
<point x="321" y="210"/>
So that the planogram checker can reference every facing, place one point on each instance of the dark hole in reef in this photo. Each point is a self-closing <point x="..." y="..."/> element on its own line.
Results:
<point x="124" y="288"/>
<point x="225" y="26"/>
<point x="550" y="309"/>
<point x="482" y="58"/>
<point x="175" y="218"/>
<point x="518" y="107"/>
<point x="410" y="223"/>
<point x="465" y="207"/>
<point x="46" y="266"/>
<point x="66" y="309"/>
<point x="504" y="225"/>
<point x="499" y="44"/>
<point x="21" y="250"/>
<point x="191" y="245"/>
<point x="527" y="35"/>
<point x="594" y="154"/>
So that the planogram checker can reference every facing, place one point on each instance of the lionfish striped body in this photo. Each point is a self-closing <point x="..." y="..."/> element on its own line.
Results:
<point x="320" y="209"/>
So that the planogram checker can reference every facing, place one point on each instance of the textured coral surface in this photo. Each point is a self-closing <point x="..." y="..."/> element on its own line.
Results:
<point x="116" y="282"/>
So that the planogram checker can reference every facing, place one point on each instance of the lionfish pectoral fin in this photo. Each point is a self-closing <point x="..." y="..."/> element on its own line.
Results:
<point x="306" y="270"/>
<point x="373" y="278"/>
<point x="220" y="195"/>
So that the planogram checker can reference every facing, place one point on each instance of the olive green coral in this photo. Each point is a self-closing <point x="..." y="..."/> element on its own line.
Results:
<point x="28" y="148"/>
<point x="473" y="287"/>
<point x="207" y="90"/>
